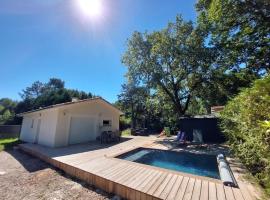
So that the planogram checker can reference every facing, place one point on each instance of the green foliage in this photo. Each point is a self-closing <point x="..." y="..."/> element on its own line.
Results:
<point x="132" y="100"/>
<point x="7" y="111"/>
<point x="124" y="122"/>
<point x="172" y="62"/>
<point x="239" y="31"/>
<point x="167" y="131"/>
<point x="8" y="143"/>
<point x="126" y="132"/>
<point x="246" y="123"/>
<point x="46" y="94"/>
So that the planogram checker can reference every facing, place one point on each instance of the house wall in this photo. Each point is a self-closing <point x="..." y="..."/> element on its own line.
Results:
<point x="46" y="134"/>
<point x="48" y="128"/>
<point x="28" y="133"/>
<point x="96" y="110"/>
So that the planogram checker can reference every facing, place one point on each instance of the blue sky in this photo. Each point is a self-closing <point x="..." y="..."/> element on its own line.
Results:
<point x="42" y="39"/>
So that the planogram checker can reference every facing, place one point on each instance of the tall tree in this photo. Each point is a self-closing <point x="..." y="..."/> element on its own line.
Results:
<point x="7" y="111"/>
<point x="174" y="60"/>
<point x="132" y="100"/>
<point x="33" y="91"/>
<point x="44" y="94"/>
<point x="240" y="31"/>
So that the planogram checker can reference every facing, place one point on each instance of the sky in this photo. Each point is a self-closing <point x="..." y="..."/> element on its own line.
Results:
<point x="41" y="39"/>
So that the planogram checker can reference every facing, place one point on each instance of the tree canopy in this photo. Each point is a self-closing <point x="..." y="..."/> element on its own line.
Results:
<point x="7" y="110"/>
<point x="44" y="94"/>
<point x="239" y="30"/>
<point x="173" y="60"/>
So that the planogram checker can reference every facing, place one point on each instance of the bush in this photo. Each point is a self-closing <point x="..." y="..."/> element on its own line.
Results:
<point x="167" y="131"/>
<point x="126" y="132"/>
<point x="245" y="121"/>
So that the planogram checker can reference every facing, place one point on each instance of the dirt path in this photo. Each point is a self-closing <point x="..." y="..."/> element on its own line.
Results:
<point x="25" y="177"/>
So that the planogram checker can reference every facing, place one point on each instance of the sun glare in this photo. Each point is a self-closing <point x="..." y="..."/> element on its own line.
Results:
<point x="91" y="8"/>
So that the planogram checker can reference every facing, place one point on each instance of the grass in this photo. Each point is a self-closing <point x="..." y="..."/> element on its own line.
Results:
<point x="126" y="132"/>
<point x="8" y="143"/>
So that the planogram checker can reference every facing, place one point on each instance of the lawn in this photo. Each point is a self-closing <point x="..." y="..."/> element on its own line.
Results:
<point x="8" y="143"/>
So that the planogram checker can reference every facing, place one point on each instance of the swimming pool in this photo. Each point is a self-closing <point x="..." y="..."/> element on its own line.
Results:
<point x="198" y="164"/>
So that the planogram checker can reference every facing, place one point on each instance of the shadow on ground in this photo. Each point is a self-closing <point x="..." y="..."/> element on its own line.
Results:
<point x="27" y="177"/>
<point x="30" y="163"/>
<point x="208" y="148"/>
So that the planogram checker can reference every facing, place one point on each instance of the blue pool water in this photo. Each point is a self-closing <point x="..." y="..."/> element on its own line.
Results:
<point x="198" y="164"/>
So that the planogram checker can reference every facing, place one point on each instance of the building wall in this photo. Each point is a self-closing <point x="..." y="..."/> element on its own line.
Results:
<point x="208" y="126"/>
<point x="48" y="128"/>
<point x="55" y="123"/>
<point x="28" y="132"/>
<point x="46" y="134"/>
<point x="97" y="110"/>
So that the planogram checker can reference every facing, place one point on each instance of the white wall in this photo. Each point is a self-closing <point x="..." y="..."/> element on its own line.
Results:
<point x="47" y="127"/>
<point x="55" y="123"/>
<point x="28" y="133"/>
<point x="98" y="110"/>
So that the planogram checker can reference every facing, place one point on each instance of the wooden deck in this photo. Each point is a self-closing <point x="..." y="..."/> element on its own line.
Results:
<point x="96" y="165"/>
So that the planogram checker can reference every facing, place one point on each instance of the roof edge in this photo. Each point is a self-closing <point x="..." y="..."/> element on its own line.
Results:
<point x="68" y="103"/>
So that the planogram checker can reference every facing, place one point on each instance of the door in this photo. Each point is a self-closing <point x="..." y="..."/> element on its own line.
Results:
<point x="38" y="130"/>
<point x="82" y="129"/>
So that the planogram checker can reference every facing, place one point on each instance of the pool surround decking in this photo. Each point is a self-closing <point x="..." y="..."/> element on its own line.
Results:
<point x="96" y="164"/>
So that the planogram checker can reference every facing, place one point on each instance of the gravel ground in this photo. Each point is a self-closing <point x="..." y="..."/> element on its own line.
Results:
<point x="25" y="177"/>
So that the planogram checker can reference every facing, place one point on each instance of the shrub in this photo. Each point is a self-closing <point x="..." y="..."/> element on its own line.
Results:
<point x="126" y="132"/>
<point x="167" y="131"/>
<point x="245" y="121"/>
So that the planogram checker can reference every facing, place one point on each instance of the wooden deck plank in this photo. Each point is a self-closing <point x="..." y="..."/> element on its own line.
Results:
<point x="220" y="192"/>
<point x="181" y="191"/>
<point x="245" y="193"/>
<point x="168" y="187"/>
<point x="141" y="181"/>
<point x="145" y="184"/>
<point x="197" y="190"/>
<point x="229" y="193"/>
<point x="108" y="170"/>
<point x="237" y="194"/>
<point x="133" y="177"/>
<point x="157" y="183"/>
<point x="147" y="180"/>
<point x="189" y="190"/>
<point x="112" y="176"/>
<point x="103" y="172"/>
<point x="120" y="174"/>
<point x="212" y="191"/>
<point x="163" y="185"/>
<point x="175" y="188"/>
<point x="204" y="191"/>
<point x="151" y="182"/>
<point x="136" y="181"/>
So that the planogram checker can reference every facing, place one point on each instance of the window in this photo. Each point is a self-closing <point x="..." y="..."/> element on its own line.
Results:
<point x="32" y="124"/>
<point x="107" y="122"/>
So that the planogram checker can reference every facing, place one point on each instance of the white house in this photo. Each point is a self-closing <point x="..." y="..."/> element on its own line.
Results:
<point x="68" y="123"/>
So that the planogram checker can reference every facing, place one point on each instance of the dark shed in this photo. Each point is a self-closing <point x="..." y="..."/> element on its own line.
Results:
<point x="208" y="124"/>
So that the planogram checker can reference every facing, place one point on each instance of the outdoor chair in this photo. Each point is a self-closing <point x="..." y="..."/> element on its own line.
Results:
<point x="104" y="138"/>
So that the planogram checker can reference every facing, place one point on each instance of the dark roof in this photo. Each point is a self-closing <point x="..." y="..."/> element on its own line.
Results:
<point x="68" y="103"/>
<point x="210" y="116"/>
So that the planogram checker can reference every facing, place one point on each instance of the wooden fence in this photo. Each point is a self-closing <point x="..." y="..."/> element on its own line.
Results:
<point x="9" y="131"/>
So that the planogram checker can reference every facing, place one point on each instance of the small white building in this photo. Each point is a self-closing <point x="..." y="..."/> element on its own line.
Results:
<point x="68" y="123"/>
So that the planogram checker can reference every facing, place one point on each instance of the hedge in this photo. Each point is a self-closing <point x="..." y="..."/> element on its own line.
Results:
<point x="245" y="122"/>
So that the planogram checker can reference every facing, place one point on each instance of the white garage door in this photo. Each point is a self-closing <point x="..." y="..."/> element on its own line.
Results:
<point x="82" y="129"/>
